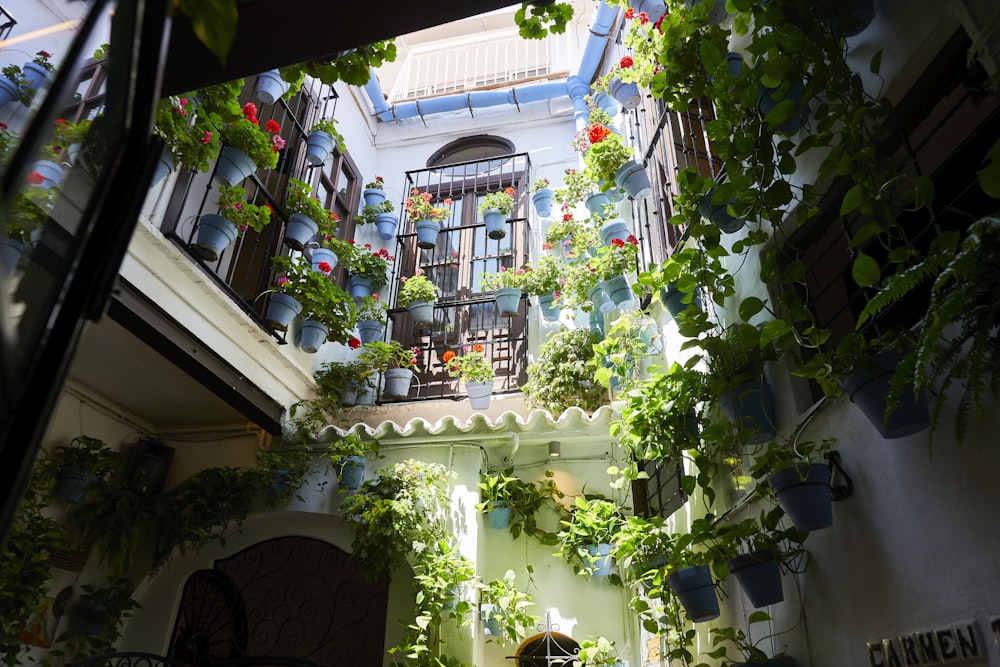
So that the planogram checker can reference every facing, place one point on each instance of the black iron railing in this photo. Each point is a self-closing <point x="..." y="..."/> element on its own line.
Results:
<point x="7" y="24"/>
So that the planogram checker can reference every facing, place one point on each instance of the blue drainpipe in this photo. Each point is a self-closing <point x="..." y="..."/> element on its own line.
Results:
<point x="575" y="86"/>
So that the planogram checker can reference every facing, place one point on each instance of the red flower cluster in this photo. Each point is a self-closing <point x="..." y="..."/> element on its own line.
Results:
<point x="353" y="343"/>
<point x="272" y="126"/>
<point x="643" y="18"/>
<point x="630" y="13"/>
<point x="250" y="112"/>
<point x="632" y="239"/>
<point x="447" y="356"/>
<point x="34" y="178"/>
<point x="626" y="62"/>
<point x="325" y="267"/>
<point x="617" y="243"/>
<point x="597" y="133"/>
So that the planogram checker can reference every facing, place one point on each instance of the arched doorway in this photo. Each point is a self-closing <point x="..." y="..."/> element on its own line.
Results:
<point x="294" y="597"/>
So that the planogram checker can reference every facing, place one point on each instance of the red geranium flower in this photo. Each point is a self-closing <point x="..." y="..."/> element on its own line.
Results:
<point x="659" y="23"/>
<point x="630" y="13"/>
<point x="272" y="126"/>
<point x="34" y="178"/>
<point x="353" y="343"/>
<point x="597" y="133"/>
<point x="626" y="62"/>
<point x="325" y="267"/>
<point x="477" y="348"/>
<point x="567" y="217"/>
<point x="632" y="239"/>
<point x="447" y="356"/>
<point x="618" y="243"/>
<point x="250" y="111"/>
<point x="643" y="18"/>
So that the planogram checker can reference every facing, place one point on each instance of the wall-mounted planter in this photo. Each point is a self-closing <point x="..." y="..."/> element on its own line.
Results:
<point x="542" y="200"/>
<point x="373" y="196"/>
<point x="72" y="485"/>
<point x="427" y="233"/>
<point x="673" y="300"/>
<point x="369" y="330"/>
<point x="602" y="304"/>
<point x="693" y="586"/>
<point x="804" y="494"/>
<point x="234" y="166"/>
<point x="496" y="223"/>
<point x="386" y="224"/>
<point x="9" y="91"/>
<point x="11" y="252"/>
<point x="499" y="515"/>
<point x="768" y="101"/>
<point x="270" y="86"/>
<point x="479" y="394"/>
<point x="508" y="301"/>
<point x="616" y="228"/>
<point x="51" y="173"/>
<point x="627" y="94"/>
<point x="312" y="335"/>
<point x="397" y="383"/>
<point x="323" y="256"/>
<point x="34" y="75"/>
<point x="596" y="202"/>
<point x="868" y="387"/>
<point x="549" y="312"/>
<point x="619" y="291"/>
<point x="164" y="165"/>
<point x="491" y="619"/>
<point x="716" y="15"/>
<point x="360" y="286"/>
<point x="351" y="472"/>
<point x="849" y="18"/>
<point x="215" y="233"/>
<point x="759" y="575"/>
<point x="281" y="310"/>
<point x="298" y="230"/>
<point x="719" y="214"/>
<point x="422" y="313"/>
<point x="600" y="564"/>
<point x="605" y="102"/>
<point x="632" y="178"/>
<point x="318" y="147"/>
<point x="750" y="405"/>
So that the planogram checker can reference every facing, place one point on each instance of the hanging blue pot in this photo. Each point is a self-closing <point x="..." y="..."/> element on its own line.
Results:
<point x="397" y="383"/>
<point x="868" y="388"/>
<point x="804" y="494"/>
<point x="613" y="229"/>
<point x="373" y="196"/>
<point x="606" y="103"/>
<point x="215" y="233"/>
<point x="759" y="575"/>
<point x="361" y="286"/>
<point x="750" y="405"/>
<point x="34" y="75"/>
<point x="496" y="223"/>
<point x="601" y="567"/>
<point x="673" y="300"/>
<point x="596" y="202"/>
<point x="542" y="199"/>
<point x="298" y="230"/>
<point x="318" y="147"/>
<point x="767" y="100"/>
<point x="422" y="313"/>
<point x="323" y="255"/>
<point x="386" y="224"/>
<point x="479" y="394"/>
<point x="427" y="233"/>
<point x="632" y="178"/>
<point x="618" y="290"/>
<point x="281" y="309"/>
<point x="549" y="312"/>
<point x="270" y="86"/>
<point x="491" y="620"/>
<point x="719" y="214"/>
<point x="11" y="252"/>
<point x="627" y="94"/>
<point x="352" y="472"/>
<point x="312" y="336"/>
<point x="693" y="586"/>
<point x="369" y="330"/>
<point x="499" y="515"/>
<point x="234" y="166"/>
<point x="602" y="303"/>
<point x="164" y="165"/>
<point x="613" y="194"/>
<point x="72" y="484"/>
<point x="9" y="91"/>
<point x="51" y="173"/>
<point x="595" y="322"/>
<point x="508" y="301"/>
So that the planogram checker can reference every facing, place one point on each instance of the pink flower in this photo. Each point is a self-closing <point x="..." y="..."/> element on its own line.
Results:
<point x="243" y="228"/>
<point x="278" y="142"/>
<point x="207" y="139"/>
<point x="283" y="280"/>
<point x="184" y="101"/>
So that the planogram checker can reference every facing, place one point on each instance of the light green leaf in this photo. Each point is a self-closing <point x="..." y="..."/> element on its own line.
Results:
<point x="865" y="271"/>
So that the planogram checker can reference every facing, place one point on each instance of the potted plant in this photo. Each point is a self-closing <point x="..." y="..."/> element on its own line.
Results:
<point x="622" y="357"/>
<point x="328" y="312"/>
<point x="508" y="286"/>
<point x="69" y="137"/>
<point x="600" y="651"/>
<point x="495" y="498"/>
<point x="512" y="503"/>
<point x="76" y="468"/>
<point x="248" y="147"/>
<point x="306" y="216"/>
<point x="542" y="280"/>
<point x="763" y="546"/>
<point x="560" y="377"/>
<point x="612" y="263"/>
<point x="427" y="218"/>
<point x="217" y="231"/>
<point x="608" y="152"/>
<point x="374" y="193"/>
<point x="339" y="384"/>
<point x="322" y="137"/>
<point x="98" y="612"/>
<point x="588" y="537"/>
<point x="475" y="370"/>
<point x="749" y="654"/>
<point x="284" y="470"/>
<point x="37" y="70"/>
<point x="381" y="215"/>
<point x="371" y="317"/>
<point x="495" y="208"/>
<point x="641" y="549"/>
<point x="541" y="197"/>
<point x="348" y="455"/>
<point x="367" y="269"/>
<point x="189" y="134"/>
<point x="12" y="86"/>
<point x="504" y="611"/>
<point x="271" y="87"/>
<point x="800" y="482"/>
<point x="689" y="568"/>
<point x="418" y="295"/>
<point x="444" y="579"/>
<point x="395" y="362"/>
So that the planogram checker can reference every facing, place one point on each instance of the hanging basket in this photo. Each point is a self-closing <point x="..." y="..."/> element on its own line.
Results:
<point x="318" y="147"/>
<point x="298" y="230"/>
<point x="508" y="301"/>
<point x="312" y="336"/>
<point x="693" y="586"/>
<point x="73" y="483"/>
<point x="397" y="383"/>
<point x="804" y="493"/>
<point x="759" y="575"/>
<point x="215" y="233"/>
<point x="542" y="199"/>
<point x="281" y="310"/>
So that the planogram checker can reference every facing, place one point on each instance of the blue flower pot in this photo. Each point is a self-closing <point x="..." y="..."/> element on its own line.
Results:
<point x="759" y="575"/>
<point x="320" y="255"/>
<point x="9" y="91"/>
<point x="618" y="290"/>
<point x="627" y="94"/>
<point x="312" y="336"/>
<point x="215" y="233"/>
<point x="298" y="230"/>
<point x="72" y="485"/>
<point x="750" y="405"/>
<point x="491" y="620"/>
<point x="427" y="233"/>
<point x="352" y="472"/>
<point x="596" y="202"/>
<point x="508" y="301"/>
<point x="496" y="223"/>
<point x="549" y="312"/>
<point x="373" y="196"/>
<point x="11" y="252"/>
<point x="51" y="173"/>
<point x="719" y="215"/>
<point x="499" y="515"/>
<point x="164" y="165"/>
<point x="868" y="388"/>
<point x="601" y="567"/>
<point x="397" y="383"/>
<point x="281" y="310"/>
<point x="361" y="286"/>
<point x="632" y="178"/>
<point x="767" y="100"/>
<point x="422" y="313"/>
<point x="542" y="200"/>
<point x="369" y="330"/>
<point x="613" y="194"/>
<point x="386" y="224"/>
<point x="34" y="75"/>
<point x="318" y="147"/>
<point x="693" y="586"/>
<point x="614" y="229"/>
<point x="234" y="166"/>
<point x="654" y="9"/>
<point x="270" y="86"/>
<point x="596" y="323"/>
<point x="602" y="304"/>
<point x="479" y="394"/>
<point x="804" y="494"/>
<point x="606" y="103"/>
<point x="673" y="300"/>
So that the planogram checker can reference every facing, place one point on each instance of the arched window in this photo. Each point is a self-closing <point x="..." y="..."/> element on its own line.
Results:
<point x="547" y="649"/>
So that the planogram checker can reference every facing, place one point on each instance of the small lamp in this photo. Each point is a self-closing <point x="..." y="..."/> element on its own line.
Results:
<point x="554" y="449"/>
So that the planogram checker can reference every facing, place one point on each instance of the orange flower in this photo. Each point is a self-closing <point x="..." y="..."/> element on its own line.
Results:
<point x="447" y="356"/>
<point x="511" y="192"/>
<point x="477" y="348"/>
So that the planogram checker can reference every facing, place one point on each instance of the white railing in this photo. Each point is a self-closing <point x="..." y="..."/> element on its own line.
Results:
<point x="495" y="63"/>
